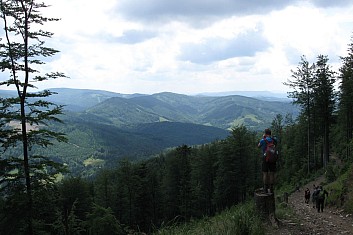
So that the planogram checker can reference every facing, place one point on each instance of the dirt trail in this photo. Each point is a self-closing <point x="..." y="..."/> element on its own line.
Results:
<point x="308" y="221"/>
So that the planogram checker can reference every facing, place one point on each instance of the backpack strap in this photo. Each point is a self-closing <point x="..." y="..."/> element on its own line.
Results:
<point x="267" y="141"/>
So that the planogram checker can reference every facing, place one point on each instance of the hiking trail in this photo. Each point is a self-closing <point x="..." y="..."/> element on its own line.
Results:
<point x="306" y="220"/>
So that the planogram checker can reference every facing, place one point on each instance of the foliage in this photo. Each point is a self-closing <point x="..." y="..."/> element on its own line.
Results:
<point x="345" y="112"/>
<point x="313" y="91"/>
<point x="238" y="220"/>
<point x="102" y="221"/>
<point x="25" y="117"/>
<point x="99" y="141"/>
<point x="181" y="184"/>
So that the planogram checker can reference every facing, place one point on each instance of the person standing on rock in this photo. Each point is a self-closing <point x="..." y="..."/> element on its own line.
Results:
<point x="268" y="167"/>
<point x="320" y="200"/>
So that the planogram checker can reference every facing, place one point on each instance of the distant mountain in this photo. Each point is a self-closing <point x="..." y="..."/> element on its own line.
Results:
<point x="223" y="112"/>
<point x="81" y="99"/>
<point x="266" y="95"/>
<point x="124" y="110"/>
<point x="7" y="93"/>
<point x="76" y="99"/>
<point x="108" y="126"/>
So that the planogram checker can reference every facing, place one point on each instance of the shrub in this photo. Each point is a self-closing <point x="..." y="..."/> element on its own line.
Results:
<point x="238" y="220"/>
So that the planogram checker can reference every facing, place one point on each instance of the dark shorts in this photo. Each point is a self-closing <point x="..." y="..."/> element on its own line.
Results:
<point x="268" y="167"/>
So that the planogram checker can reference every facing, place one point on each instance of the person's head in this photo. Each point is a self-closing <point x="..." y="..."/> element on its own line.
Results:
<point x="267" y="131"/>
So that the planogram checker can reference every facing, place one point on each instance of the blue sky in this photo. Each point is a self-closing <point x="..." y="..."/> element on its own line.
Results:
<point x="192" y="46"/>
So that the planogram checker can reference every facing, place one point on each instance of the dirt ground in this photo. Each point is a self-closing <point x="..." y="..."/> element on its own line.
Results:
<point x="307" y="220"/>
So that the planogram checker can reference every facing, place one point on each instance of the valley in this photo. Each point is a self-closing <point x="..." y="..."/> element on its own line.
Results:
<point x="107" y="127"/>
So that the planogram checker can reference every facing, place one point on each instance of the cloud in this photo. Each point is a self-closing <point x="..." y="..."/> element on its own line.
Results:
<point x="192" y="46"/>
<point x="193" y="10"/>
<point x="135" y="36"/>
<point x="217" y="49"/>
<point x="331" y="3"/>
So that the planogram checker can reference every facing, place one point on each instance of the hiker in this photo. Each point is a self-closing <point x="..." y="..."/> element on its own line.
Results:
<point x="314" y="196"/>
<point x="307" y="195"/>
<point x="268" y="168"/>
<point x="320" y="200"/>
<point x="297" y="188"/>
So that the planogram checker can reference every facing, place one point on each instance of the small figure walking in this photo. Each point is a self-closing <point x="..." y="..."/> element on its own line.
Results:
<point x="307" y="195"/>
<point x="320" y="201"/>
<point x="314" y="196"/>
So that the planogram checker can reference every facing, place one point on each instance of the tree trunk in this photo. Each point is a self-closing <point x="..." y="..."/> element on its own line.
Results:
<point x="265" y="205"/>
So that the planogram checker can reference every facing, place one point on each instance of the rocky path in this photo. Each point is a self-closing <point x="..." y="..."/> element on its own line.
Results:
<point x="308" y="221"/>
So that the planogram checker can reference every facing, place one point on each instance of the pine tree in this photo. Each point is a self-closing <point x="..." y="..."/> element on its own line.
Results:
<point x="346" y="100"/>
<point x="324" y="101"/>
<point x="27" y="114"/>
<point x="102" y="221"/>
<point x="303" y="89"/>
<point x="75" y="202"/>
<point x="236" y="172"/>
<point x="184" y="155"/>
<point x="203" y="175"/>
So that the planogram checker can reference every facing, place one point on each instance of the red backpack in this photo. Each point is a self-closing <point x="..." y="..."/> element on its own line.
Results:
<point x="271" y="153"/>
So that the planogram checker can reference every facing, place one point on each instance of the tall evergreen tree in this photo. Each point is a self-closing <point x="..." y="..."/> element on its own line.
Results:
<point x="177" y="184"/>
<point x="184" y="154"/>
<point x="102" y="221"/>
<point x="303" y="89"/>
<point x="235" y="169"/>
<point x="203" y="177"/>
<point x="21" y="52"/>
<point x="75" y="202"/>
<point x="324" y="101"/>
<point x="127" y="184"/>
<point x="293" y="160"/>
<point x="346" y="100"/>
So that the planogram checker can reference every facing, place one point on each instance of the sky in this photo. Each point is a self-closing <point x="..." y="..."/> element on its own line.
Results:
<point x="192" y="46"/>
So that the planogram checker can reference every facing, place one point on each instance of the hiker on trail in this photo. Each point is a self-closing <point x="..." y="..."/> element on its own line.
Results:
<point x="307" y="195"/>
<point x="320" y="200"/>
<point x="314" y="196"/>
<point x="268" y="165"/>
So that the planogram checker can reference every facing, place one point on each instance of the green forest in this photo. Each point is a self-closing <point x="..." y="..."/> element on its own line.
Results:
<point x="38" y="195"/>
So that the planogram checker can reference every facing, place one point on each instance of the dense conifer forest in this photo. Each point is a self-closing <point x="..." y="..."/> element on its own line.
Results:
<point x="39" y="196"/>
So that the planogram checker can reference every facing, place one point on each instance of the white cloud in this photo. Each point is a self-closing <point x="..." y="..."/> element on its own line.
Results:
<point x="193" y="46"/>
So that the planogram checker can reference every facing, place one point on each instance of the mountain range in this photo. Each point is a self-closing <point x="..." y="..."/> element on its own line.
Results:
<point x="109" y="126"/>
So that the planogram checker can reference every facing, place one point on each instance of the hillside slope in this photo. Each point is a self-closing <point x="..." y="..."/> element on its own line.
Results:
<point x="223" y="112"/>
<point x="108" y="126"/>
<point x="129" y="109"/>
<point x="307" y="220"/>
<point x="93" y="139"/>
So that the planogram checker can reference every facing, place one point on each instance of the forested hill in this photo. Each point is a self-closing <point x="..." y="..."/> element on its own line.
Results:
<point x="218" y="111"/>
<point x="130" y="109"/>
<point x="104" y="126"/>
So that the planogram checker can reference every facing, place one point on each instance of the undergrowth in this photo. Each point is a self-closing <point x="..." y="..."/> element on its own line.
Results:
<point x="340" y="191"/>
<point x="244" y="220"/>
<point x="238" y="220"/>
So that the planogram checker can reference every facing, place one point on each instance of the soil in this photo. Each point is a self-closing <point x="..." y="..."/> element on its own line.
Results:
<point x="307" y="220"/>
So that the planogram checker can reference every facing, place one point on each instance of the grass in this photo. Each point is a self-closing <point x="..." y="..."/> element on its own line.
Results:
<point x="238" y="220"/>
<point x="340" y="191"/>
<point x="284" y="212"/>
